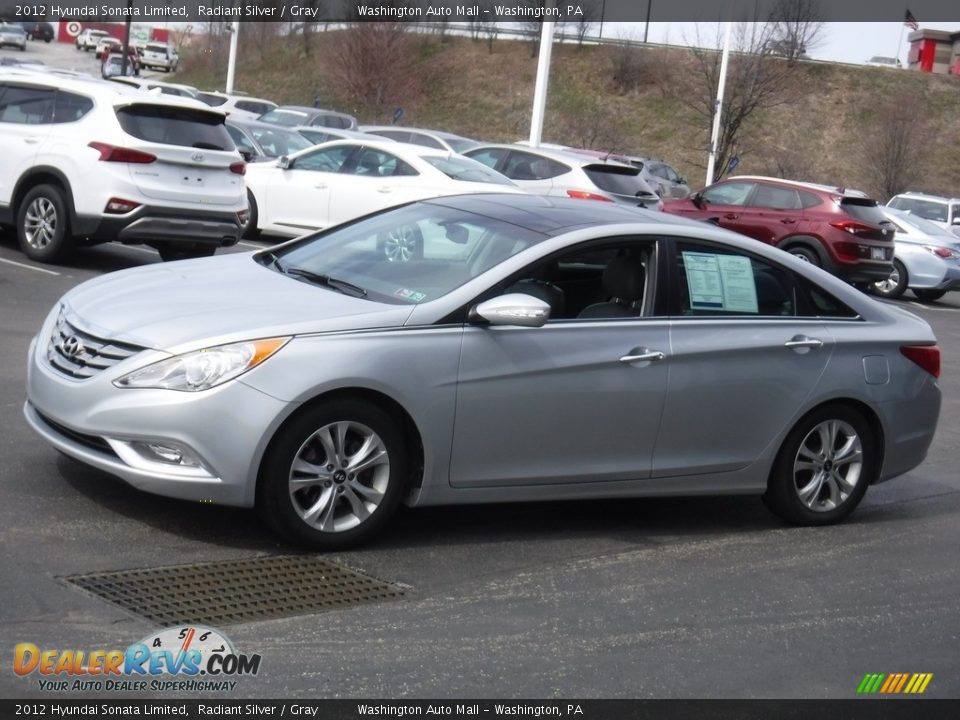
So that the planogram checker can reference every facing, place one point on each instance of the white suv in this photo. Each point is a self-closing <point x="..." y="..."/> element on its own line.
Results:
<point x="88" y="39"/>
<point x="943" y="211"/>
<point x="160" y="56"/>
<point x="88" y="161"/>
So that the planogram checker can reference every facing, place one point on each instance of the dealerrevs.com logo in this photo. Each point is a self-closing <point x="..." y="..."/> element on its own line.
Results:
<point x="177" y="659"/>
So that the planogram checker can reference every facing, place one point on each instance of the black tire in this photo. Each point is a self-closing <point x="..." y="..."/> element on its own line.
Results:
<point x="169" y="254"/>
<point x="894" y="286"/>
<point x="825" y="501"/>
<point x="401" y="244"/>
<point x="43" y="225"/>
<point x="805" y="254"/>
<point x="251" y="231"/>
<point x="929" y="295"/>
<point x="354" y="509"/>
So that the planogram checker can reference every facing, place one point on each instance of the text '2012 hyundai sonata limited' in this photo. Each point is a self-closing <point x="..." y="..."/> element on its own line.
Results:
<point x="537" y="348"/>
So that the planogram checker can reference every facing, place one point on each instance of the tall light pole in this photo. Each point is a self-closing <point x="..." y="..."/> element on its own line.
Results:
<point x="232" y="61"/>
<point x="718" y="107"/>
<point x="646" y="26"/>
<point x="543" y="77"/>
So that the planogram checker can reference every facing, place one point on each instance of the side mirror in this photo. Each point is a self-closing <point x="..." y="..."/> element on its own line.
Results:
<point x="697" y="199"/>
<point x="681" y="181"/>
<point x="283" y="163"/>
<point x="956" y="220"/>
<point x="517" y="309"/>
<point x="246" y="154"/>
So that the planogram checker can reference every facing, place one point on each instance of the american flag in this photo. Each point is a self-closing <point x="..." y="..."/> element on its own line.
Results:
<point x="910" y="21"/>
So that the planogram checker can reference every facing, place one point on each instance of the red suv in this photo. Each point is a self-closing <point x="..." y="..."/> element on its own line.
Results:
<point x="840" y="230"/>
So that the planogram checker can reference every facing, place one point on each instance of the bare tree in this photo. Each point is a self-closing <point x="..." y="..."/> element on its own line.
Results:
<point x="581" y="24"/>
<point x="895" y="147"/>
<point x="377" y="64"/>
<point x="756" y="81"/>
<point x="797" y="27"/>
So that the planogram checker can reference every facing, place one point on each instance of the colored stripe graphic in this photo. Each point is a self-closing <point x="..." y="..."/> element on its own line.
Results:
<point x="894" y="683"/>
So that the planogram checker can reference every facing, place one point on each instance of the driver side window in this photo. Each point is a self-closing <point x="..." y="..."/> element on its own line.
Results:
<point x="730" y="193"/>
<point x="329" y="160"/>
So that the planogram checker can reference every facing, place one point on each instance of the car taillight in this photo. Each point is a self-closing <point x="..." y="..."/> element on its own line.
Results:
<point x="240" y="168"/>
<point x="855" y="228"/>
<point x="927" y="357"/>
<point x="119" y="206"/>
<point x="942" y="252"/>
<point x="112" y="153"/>
<point x="586" y="195"/>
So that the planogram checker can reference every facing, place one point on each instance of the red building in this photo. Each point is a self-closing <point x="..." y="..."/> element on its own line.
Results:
<point x="934" y="51"/>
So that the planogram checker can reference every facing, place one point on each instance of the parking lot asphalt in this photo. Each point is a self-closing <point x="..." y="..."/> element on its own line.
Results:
<point x="694" y="597"/>
<point x="663" y="598"/>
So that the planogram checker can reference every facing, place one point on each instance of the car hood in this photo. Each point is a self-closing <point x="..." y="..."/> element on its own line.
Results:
<point x="197" y="303"/>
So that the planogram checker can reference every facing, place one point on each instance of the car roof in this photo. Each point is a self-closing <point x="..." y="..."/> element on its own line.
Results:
<point x="257" y="124"/>
<point x="568" y="156"/>
<point x="553" y="215"/>
<point x="116" y="92"/>
<point x="925" y="196"/>
<point x="425" y="131"/>
<point x="845" y="192"/>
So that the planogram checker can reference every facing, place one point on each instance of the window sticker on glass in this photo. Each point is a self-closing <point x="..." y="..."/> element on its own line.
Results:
<point x="720" y="282"/>
<point x="411" y="295"/>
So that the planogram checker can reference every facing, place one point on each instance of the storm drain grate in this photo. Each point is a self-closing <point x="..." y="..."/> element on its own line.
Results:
<point x="220" y="593"/>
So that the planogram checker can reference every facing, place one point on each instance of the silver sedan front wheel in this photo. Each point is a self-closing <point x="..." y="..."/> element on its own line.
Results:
<point x="824" y="467"/>
<point x="339" y="476"/>
<point x="333" y="474"/>
<point x="402" y="244"/>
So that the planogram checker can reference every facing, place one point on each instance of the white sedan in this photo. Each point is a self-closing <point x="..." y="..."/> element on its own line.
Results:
<point x="338" y="181"/>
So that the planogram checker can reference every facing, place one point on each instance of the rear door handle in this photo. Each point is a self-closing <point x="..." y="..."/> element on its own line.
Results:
<point x="642" y="355"/>
<point x="31" y="140"/>
<point x="321" y="186"/>
<point x="732" y="216"/>
<point x="802" y="343"/>
<point x="384" y="189"/>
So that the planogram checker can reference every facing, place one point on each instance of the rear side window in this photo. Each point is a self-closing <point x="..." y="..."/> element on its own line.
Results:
<point x="865" y="210"/>
<point x="175" y="126"/>
<point x="526" y="166"/>
<point x="771" y="196"/>
<point x="70" y="107"/>
<point x="426" y="141"/>
<point x="26" y="106"/>
<point x="490" y="157"/>
<point x="809" y="200"/>
<point x="619" y="180"/>
<point x="254" y="107"/>
<point x="285" y="117"/>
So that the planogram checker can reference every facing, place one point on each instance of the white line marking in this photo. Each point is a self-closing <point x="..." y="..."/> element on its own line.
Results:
<point x="29" y="267"/>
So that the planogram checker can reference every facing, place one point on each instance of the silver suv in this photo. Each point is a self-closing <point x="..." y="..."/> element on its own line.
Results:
<point x="160" y="56"/>
<point x="87" y="161"/>
<point x="943" y="211"/>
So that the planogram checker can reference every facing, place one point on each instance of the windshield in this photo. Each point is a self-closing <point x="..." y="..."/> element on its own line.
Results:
<point x="277" y="141"/>
<point x="924" y="226"/>
<point x="930" y="210"/>
<point x="459" y="144"/>
<point x="459" y="168"/>
<point x="405" y="256"/>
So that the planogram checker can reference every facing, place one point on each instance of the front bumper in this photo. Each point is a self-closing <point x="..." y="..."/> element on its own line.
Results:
<point x="103" y="426"/>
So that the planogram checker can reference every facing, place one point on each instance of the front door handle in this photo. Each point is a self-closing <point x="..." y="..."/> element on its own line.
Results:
<point x="321" y="186"/>
<point x="642" y="355"/>
<point x="787" y="221"/>
<point x="803" y="344"/>
<point x="384" y="189"/>
<point x="732" y="216"/>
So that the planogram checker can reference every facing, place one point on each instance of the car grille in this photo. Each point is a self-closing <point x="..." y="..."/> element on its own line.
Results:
<point x="78" y="354"/>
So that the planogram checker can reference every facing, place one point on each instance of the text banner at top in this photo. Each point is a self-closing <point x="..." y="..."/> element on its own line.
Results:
<point x="469" y="11"/>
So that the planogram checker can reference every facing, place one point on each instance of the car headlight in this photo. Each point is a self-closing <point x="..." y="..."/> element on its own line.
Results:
<point x="203" y="369"/>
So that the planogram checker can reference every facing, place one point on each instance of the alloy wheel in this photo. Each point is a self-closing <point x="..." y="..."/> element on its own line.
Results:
<point x="339" y="476"/>
<point x="40" y="223"/>
<point x="827" y="466"/>
<point x="400" y="245"/>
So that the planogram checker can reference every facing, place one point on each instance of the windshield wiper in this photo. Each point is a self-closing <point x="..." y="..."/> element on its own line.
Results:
<point x="326" y="281"/>
<point x="274" y="260"/>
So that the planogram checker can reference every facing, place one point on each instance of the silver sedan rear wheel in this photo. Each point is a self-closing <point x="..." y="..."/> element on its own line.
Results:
<point x="827" y="465"/>
<point x="824" y="467"/>
<point x="339" y="476"/>
<point x="334" y="474"/>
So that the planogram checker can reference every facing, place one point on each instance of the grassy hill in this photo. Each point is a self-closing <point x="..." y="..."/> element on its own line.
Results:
<point x="825" y="128"/>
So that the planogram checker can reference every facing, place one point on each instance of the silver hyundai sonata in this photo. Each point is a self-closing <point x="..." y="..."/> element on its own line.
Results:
<point x="530" y="349"/>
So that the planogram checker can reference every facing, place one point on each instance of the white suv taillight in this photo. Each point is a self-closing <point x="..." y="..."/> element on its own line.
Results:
<point x="239" y="168"/>
<point x="112" y="153"/>
<point x="119" y="206"/>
